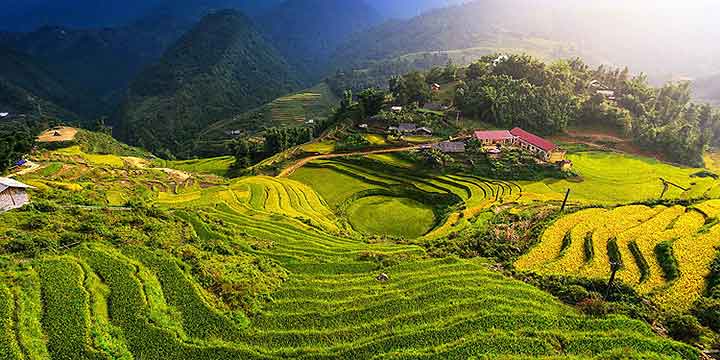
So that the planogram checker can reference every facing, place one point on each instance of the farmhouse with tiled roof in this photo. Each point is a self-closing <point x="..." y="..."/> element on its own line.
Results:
<point x="495" y="137"/>
<point x="533" y="143"/>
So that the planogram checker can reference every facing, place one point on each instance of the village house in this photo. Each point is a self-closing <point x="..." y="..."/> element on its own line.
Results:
<point x="423" y="131"/>
<point x="411" y="129"/>
<point x="435" y="87"/>
<point x="533" y="143"/>
<point x="407" y="128"/>
<point x="13" y="194"/>
<point x="396" y="108"/>
<point x="451" y="147"/>
<point x="495" y="137"/>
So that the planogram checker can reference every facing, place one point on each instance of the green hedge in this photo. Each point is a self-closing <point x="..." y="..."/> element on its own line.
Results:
<point x="667" y="261"/>
<point x="567" y="240"/>
<point x="614" y="252"/>
<point x="640" y="261"/>
<point x="588" y="247"/>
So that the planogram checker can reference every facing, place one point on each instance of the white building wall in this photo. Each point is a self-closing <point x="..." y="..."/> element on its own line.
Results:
<point x="13" y="198"/>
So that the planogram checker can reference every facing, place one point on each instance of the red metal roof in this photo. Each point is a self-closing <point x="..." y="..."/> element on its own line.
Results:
<point x="493" y="135"/>
<point x="533" y="139"/>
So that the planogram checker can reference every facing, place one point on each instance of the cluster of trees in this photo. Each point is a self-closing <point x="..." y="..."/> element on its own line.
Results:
<point x="519" y="90"/>
<point x="248" y="151"/>
<point x="16" y="139"/>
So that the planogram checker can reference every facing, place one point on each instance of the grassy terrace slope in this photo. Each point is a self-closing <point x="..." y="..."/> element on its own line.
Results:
<point x="288" y="111"/>
<point x="114" y="295"/>
<point x="616" y="178"/>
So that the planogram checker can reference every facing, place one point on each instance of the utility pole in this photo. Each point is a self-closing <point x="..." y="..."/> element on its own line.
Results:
<point x="567" y="195"/>
<point x="614" y="267"/>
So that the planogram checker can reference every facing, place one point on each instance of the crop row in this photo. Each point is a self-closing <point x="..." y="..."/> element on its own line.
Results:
<point x="200" y="319"/>
<point x="9" y="348"/>
<point x="67" y="319"/>
<point x="655" y="247"/>
<point x="550" y="245"/>
<point x="130" y="311"/>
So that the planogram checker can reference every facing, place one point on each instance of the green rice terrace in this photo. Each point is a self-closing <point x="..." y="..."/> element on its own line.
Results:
<point x="129" y="257"/>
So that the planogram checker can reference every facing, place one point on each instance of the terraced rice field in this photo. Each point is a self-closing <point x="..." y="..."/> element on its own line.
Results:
<point x="216" y="166"/>
<point x="98" y="301"/>
<point x="342" y="183"/>
<point x="583" y="243"/>
<point x="115" y="300"/>
<point x="311" y="104"/>
<point x="612" y="178"/>
<point x="384" y="215"/>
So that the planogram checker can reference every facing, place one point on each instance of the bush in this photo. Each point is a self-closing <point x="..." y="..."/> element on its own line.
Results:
<point x="588" y="247"/>
<point x="640" y="261"/>
<point x="573" y="294"/>
<point x="44" y="206"/>
<point x="594" y="305"/>
<point x="683" y="327"/>
<point x="667" y="261"/>
<point x="707" y="311"/>
<point x="614" y="252"/>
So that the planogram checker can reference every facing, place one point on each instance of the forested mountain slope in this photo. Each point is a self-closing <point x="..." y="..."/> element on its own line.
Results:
<point x="27" y="88"/>
<point x="477" y="24"/>
<point x="100" y="61"/>
<point x="220" y="68"/>
<point x="307" y="32"/>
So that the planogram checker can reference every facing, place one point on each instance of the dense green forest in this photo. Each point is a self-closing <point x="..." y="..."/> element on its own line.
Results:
<point x="28" y="88"/>
<point x="519" y="90"/>
<point x="221" y="68"/>
<point x="17" y="138"/>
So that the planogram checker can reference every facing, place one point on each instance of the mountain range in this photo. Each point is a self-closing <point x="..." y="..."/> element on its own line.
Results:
<point x="159" y="67"/>
<point x="307" y="32"/>
<point x="221" y="67"/>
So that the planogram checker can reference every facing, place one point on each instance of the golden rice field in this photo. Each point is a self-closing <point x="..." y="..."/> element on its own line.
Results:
<point x="578" y="244"/>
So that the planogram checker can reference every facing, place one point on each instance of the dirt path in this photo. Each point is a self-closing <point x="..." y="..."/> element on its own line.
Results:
<point x="302" y="162"/>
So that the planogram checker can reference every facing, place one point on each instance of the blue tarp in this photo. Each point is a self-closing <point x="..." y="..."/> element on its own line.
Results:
<point x="21" y="163"/>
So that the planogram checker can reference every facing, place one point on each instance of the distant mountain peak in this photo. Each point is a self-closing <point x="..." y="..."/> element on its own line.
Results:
<point x="220" y="68"/>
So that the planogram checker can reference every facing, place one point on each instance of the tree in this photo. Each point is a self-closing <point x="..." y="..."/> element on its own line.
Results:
<point x="347" y="100"/>
<point x="244" y="151"/>
<point x="410" y="88"/>
<point x="436" y="158"/>
<point x="371" y="102"/>
<point x="16" y="140"/>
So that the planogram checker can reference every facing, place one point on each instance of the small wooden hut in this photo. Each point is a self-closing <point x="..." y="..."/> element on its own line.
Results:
<point x="13" y="194"/>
